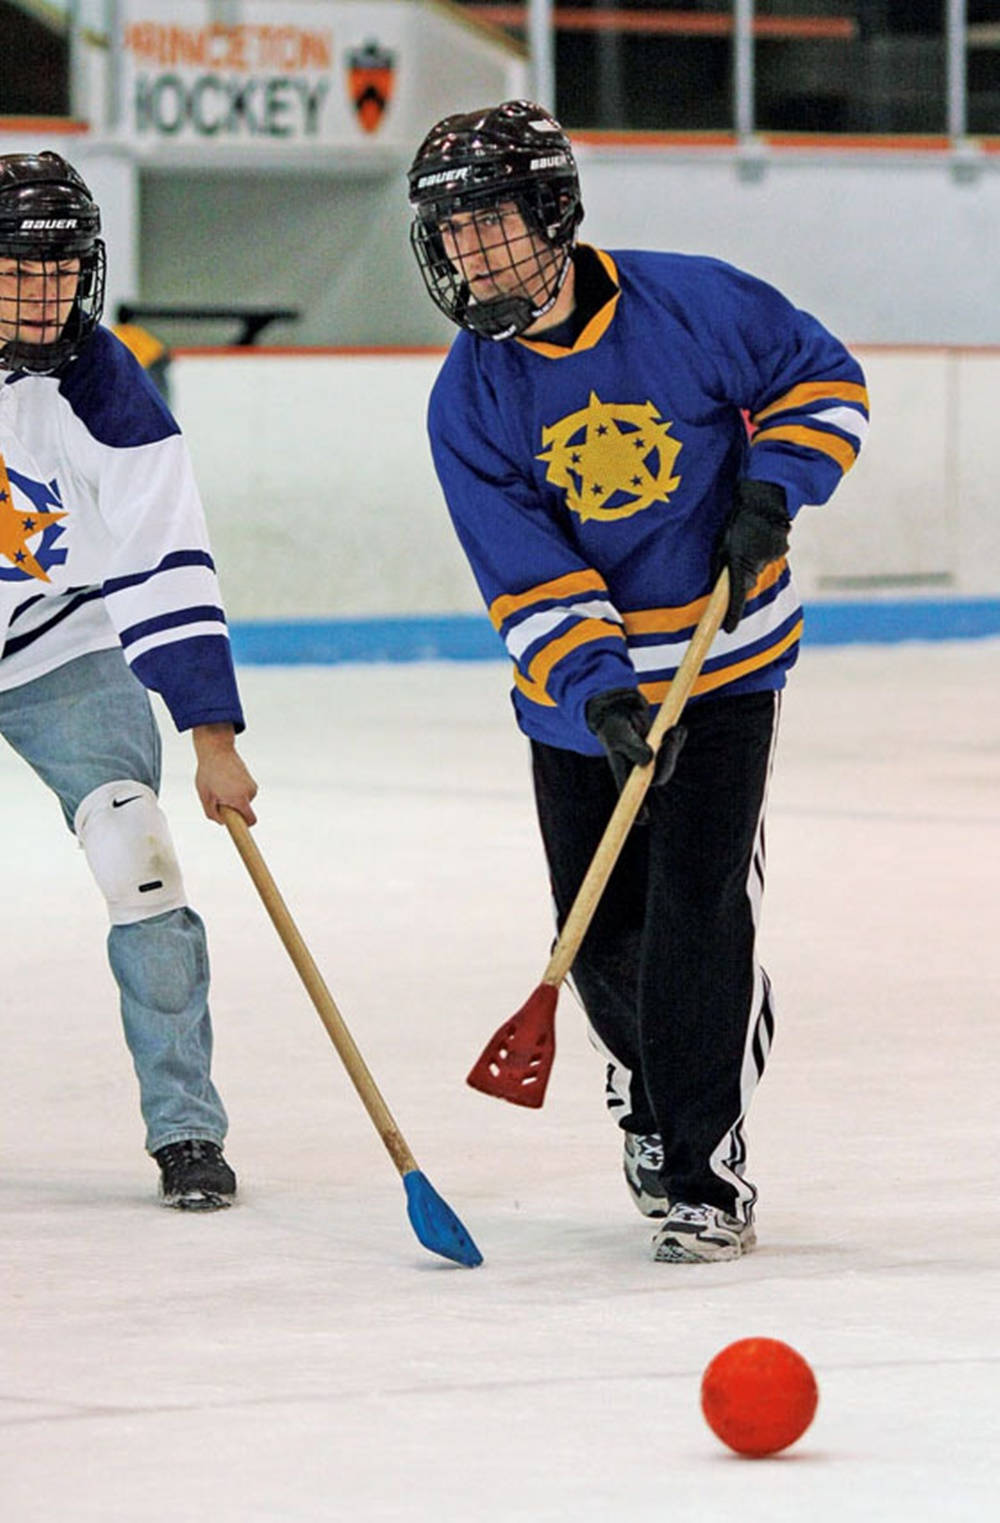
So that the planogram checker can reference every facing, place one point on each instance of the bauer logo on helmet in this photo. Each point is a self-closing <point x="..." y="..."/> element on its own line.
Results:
<point x="443" y="176"/>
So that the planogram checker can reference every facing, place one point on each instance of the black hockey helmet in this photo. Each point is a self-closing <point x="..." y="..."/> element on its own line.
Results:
<point x="477" y="160"/>
<point x="48" y="215"/>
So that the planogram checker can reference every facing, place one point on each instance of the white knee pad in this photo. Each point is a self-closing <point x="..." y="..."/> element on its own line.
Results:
<point x="124" y="834"/>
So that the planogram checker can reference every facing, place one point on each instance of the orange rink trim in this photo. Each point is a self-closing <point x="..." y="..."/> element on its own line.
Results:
<point x="50" y="126"/>
<point x="673" y="23"/>
<point x="306" y="351"/>
<point x="429" y="351"/>
<point x="777" y="142"/>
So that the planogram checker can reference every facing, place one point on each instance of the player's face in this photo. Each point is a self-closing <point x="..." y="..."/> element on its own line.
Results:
<point x="36" y="298"/>
<point x="497" y="254"/>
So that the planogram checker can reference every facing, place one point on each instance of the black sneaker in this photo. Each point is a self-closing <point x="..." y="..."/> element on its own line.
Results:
<point x="194" y="1176"/>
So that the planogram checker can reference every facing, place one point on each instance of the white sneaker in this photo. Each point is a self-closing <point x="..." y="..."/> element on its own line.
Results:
<point x="701" y="1235"/>
<point x="642" y="1162"/>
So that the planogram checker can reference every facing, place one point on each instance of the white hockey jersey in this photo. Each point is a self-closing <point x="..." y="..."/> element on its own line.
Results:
<point x="103" y="537"/>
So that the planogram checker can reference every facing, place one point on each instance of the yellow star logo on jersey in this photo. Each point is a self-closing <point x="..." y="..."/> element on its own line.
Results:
<point x="18" y="526"/>
<point x="613" y="459"/>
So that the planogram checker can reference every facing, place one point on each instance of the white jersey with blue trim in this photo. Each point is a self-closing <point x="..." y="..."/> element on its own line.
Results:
<point x="103" y="539"/>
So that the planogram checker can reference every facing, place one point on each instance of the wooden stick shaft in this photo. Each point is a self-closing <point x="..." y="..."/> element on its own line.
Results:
<point x="320" y="995"/>
<point x="635" y="789"/>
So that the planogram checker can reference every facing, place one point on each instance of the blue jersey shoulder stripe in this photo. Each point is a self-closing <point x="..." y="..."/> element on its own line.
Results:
<point x="14" y="643"/>
<point x="67" y="592"/>
<point x="169" y="563"/>
<point x="113" y="396"/>
<point x="174" y="620"/>
<point x="28" y="603"/>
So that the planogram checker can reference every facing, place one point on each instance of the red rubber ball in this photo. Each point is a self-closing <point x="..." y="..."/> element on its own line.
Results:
<point x="758" y="1395"/>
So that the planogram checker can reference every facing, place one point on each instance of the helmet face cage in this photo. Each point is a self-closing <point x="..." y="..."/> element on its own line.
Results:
<point x="52" y="263"/>
<point x="523" y="274"/>
<point x="492" y="272"/>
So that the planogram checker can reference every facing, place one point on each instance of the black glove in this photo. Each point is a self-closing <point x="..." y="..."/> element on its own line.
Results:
<point x="754" y="535"/>
<point x="621" y="718"/>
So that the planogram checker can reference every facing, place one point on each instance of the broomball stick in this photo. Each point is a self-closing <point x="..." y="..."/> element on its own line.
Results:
<point x="433" y="1221"/>
<point x="516" y="1062"/>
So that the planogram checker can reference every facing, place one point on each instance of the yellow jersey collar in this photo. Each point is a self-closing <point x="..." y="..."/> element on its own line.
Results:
<point x="594" y="330"/>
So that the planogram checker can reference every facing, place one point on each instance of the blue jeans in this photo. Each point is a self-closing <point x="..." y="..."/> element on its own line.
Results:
<point x="88" y="723"/>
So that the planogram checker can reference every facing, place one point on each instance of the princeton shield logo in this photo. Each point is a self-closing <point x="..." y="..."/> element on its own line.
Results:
<point x="371" y="71"/>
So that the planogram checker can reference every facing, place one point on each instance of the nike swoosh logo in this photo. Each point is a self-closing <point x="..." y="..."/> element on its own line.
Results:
<point x="117" y="803"/>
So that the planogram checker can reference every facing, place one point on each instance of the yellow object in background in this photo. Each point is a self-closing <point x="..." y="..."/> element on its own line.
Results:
<point x="152" y="354"/>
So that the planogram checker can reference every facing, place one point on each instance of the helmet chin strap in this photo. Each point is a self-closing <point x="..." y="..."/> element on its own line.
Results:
<point x="509" y="316"/>
<point x="504" y="318"/>
<point x="36" y="359"/>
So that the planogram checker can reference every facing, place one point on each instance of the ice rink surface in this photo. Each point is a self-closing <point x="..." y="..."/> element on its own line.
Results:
<point x="302" y="1357"/>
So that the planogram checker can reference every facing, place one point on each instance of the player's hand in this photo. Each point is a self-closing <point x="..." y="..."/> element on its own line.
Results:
<point x="221" y="776"/>
<point x="754" y="535"/>
<point x="621" y="720"/>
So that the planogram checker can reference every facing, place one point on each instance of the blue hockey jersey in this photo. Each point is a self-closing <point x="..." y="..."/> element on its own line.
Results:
<point x="103" y="538"/>
<point x="588" y="485"/>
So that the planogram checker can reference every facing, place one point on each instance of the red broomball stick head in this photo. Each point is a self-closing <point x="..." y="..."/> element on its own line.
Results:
<point x="516" y="1062"/>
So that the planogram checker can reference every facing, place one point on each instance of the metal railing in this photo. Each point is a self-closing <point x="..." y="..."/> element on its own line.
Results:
<point x="742" y="27"/>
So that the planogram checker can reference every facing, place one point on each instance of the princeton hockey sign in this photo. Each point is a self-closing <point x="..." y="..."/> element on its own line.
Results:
<point x="288" y="73"/>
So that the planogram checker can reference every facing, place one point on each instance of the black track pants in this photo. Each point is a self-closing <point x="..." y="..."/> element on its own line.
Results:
<point x="667" y="972"/>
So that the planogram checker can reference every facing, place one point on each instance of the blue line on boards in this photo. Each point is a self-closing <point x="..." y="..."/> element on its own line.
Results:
<point x="470" y="637"/>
